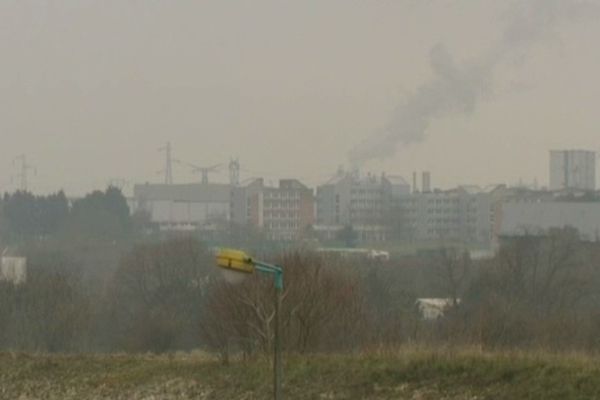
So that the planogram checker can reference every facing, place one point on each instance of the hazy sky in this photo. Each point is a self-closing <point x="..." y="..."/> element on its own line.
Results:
<point x="90" y="89"/>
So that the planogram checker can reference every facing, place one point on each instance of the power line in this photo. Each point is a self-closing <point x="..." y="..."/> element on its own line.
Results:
<point x="23" y="174"/>
<point x="168" y="171"/>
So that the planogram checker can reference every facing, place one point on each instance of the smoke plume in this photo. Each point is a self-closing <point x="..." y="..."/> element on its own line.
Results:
<point x="460" y="88"/>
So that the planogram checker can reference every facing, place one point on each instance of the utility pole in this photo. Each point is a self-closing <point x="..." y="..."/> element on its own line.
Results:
<point x="24" y="171"/>
<point x="168" y="164"/>
<point x="277" y="359"/>
<point x="237" y="261"/>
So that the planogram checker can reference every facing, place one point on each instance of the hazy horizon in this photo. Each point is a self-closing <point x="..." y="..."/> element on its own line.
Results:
<point x="91" y="89"/>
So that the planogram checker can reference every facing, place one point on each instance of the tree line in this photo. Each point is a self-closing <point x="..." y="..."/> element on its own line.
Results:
<point x="94" y="283"/>
<point x="101" y="215"/>
<point x="167" y="295"/>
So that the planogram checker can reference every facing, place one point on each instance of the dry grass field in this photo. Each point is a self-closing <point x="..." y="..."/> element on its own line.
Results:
<point x="403" y="374"/>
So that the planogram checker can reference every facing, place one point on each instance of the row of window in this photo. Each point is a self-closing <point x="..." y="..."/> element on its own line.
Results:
<point x="471" y="210"/>
<point x="446" y="232"/>
<point x="439" y="201"/>
<point x="281" y="225"/>
<point x="281" y="204"/>
<point x="356" y="213"/>
<point x="281" y="214"/>
<point x="374" y="192"/>
<point x="454" y="220"/>
<point x="281" y="195"/>
<point x="367" y="203"/>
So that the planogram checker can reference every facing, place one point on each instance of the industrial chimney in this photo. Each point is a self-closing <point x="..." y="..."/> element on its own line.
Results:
<point x="415" y="189"/>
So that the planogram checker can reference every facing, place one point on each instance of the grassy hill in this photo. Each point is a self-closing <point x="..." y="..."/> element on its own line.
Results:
<point x="406" y="374"/>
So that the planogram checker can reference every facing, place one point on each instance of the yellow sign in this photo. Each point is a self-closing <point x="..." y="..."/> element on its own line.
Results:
<point x="235" y="260"/>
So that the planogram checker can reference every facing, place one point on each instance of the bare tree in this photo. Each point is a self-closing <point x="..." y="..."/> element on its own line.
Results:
<point x="157" y="294"/>
<point x="534" y="283"/>
<point x="319" y="301"/>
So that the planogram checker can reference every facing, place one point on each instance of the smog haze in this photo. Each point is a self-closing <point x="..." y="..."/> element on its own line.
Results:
<point x="91" y="89"/>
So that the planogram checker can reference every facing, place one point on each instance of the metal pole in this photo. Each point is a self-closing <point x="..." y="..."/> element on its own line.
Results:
<point x="277" y="364"/>
<point x="277" y="273"/>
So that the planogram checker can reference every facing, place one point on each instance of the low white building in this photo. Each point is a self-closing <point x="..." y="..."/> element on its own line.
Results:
<point x="434" y="308"/>
<point x="183" y="206"/>
<point x="13" y="268"/>
<point x="519" y="218"/>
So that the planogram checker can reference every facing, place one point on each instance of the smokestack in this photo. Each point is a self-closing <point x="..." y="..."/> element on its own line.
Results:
<point x="426" y="182"/>
<point x="415" y="188"/>
<point x="459" y="88"/>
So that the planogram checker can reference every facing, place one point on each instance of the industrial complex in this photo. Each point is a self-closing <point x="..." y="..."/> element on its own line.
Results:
<point x="381" y="207"/>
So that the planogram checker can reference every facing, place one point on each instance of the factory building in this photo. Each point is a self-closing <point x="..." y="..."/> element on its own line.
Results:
<point x="184" y="206"/>
<point x="465" y="214"/>
<point x="361" y="202"/>
<point x="537" y="217"/>
<point x="376" y="206"/>
<point x="572" y="169"/>
<point x="283" y="212"/>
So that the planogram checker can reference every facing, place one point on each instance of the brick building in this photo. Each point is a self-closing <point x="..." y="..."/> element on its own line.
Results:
<point x="283" y="212"/>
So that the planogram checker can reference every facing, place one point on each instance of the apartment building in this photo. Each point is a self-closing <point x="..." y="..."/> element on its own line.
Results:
<point x="362" y="202"/>
<point x="572" y="169"/>
<point x="465" y="214"/>
<point x="283" y="212"/>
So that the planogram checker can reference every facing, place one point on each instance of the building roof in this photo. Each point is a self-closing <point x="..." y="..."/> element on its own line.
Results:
<point x="574" y="151"/>
<point x="337" y="178"/>
<point x="396" y="180"/>
<point x="471" y="189"/>
<point x="355" y="178"/>
<point x="284" y="184"/>
<point x="476" y="189"/>
<point x="292" y="184"/>
<point x="11" y="251"/>
<point x="192" y="192"/>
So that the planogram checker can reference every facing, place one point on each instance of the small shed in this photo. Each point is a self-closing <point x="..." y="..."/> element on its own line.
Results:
<point x="13" y="267"/>
<point x="434" y="308"/>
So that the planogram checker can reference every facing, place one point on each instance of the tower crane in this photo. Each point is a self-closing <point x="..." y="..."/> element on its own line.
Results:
<point x="203" y="170"/>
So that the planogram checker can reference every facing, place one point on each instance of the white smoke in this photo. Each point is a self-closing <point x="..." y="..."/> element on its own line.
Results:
<point x="459" y="88"/>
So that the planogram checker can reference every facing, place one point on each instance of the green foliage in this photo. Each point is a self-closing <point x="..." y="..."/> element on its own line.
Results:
<point x="27" y="216"/>
<point x="98" y="216"/>
<point x="101" y="215"/>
